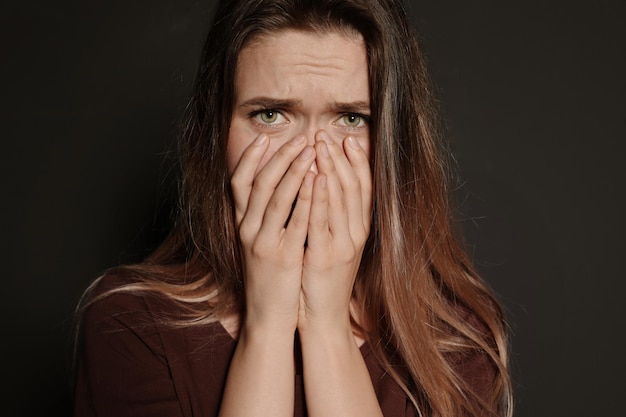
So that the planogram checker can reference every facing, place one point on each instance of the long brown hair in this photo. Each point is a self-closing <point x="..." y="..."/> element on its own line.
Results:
<point x="422" y="304"/>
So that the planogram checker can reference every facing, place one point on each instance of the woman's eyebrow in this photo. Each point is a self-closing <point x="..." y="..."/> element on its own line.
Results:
<point x="351" y="107"/>
<point x="277" y="103"/>
<point x="270" y="103"/>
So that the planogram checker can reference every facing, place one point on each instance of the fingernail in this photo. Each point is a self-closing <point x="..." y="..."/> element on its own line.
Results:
<point x="324" y="136"/>
<point x="260" y="140"/>
<point x="306" y="153"/>
<point x="297" y="140"/>
<point x="353" y="143"/>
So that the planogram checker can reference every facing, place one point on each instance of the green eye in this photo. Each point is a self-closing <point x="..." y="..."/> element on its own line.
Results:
<point x="269" y="116"/>
<point x="352" y="120"/>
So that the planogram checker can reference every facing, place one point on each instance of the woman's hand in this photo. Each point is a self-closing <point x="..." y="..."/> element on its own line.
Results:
<point x="339" y="224"/>
<point x="272" y="249"/>
<point x="336" y="379"/>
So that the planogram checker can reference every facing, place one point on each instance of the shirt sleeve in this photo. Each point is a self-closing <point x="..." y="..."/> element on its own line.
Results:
<point x="123" y="370"/>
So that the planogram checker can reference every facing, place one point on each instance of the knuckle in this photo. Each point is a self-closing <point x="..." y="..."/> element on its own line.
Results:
<point x="296" y="220"/>
<point x="286" y="152"/>
<point x="261" y="187"/>
<point x="258" y="250"/>
<point x="235" y="181"/>
<point x="338" y="203"/>
<point x="246" y="234"/>
<point x="302" y="196"/>
<point x="273" y="204"/>
<point x="360" y="237"/>
<point x="320" y="224"/>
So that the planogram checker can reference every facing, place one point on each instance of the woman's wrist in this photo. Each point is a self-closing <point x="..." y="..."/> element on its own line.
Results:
<point x="329" y="333"/>
<point x="268" y="328"/>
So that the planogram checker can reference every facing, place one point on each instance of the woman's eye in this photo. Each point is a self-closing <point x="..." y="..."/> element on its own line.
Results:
<point x="353" y="120"/>
<point x="269" y="117"/>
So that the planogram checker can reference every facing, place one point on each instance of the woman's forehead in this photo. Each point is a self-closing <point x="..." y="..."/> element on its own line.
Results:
<point x="297" y="63"/>
<point x="343" y="31"/>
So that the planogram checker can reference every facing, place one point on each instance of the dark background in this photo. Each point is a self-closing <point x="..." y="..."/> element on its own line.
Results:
<point x="533" y="94"/>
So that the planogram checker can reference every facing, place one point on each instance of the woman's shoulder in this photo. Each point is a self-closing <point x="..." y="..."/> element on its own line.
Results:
<point x="115" y="291"/>
<point x="114" y="304"/>
<point x="112" y="281"/>
<point x="124" y="298"/>
<point x="123" y="309"/>
<point x="128" y="287"/>
<point x="132" y="351"/>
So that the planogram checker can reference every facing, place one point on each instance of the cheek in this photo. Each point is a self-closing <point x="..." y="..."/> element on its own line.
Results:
<point x="234" y="150"/>
<point x="238" y="142"/>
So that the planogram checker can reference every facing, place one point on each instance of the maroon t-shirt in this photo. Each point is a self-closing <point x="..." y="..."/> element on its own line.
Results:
<point x="133" y="364"/>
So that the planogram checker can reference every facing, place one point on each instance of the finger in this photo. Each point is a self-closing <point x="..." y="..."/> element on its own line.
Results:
<point x="268" y="179"/>
<point x="360" y="163"/>
<point x="243" y="176"/>
<point x="318" y="233"/>
<point x="281" y="202"/>
<point x="297" y="229"/>
<point x="350" y="185"/>
<point x="338" y="219"/>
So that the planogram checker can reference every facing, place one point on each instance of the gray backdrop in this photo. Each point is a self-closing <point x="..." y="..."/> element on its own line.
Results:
<point x="533" y="94"/>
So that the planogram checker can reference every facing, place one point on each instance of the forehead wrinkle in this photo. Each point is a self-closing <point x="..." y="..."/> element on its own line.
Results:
<point x="279" y="67"/>
<point x="308" y="62"/>
<point x="315" y="57"/>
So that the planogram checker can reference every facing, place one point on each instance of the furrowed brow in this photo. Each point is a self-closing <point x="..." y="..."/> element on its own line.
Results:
<point x="270" y="103"/>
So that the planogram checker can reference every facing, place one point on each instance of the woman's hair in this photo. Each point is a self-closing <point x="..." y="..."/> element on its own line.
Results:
<point x="422" y="305"/>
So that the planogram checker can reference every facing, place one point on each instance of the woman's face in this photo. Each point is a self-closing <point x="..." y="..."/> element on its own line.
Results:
<point x="295" y="82"/>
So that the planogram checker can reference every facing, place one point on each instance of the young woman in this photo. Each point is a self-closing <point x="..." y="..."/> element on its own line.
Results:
<point x="312" y="269"/>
